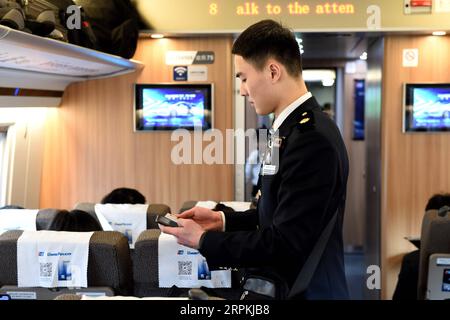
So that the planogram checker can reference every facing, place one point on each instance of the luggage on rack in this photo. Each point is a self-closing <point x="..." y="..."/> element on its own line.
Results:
<point x="111" y="26"/>
<point x="38" y="17"/>
<point x="115" y="24"/>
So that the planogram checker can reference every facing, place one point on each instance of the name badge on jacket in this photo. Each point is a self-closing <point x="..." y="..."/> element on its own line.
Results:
<point x="269" y="170"/>
<point x="271" y="161"/>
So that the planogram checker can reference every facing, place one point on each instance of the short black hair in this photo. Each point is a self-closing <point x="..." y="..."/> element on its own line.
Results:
<point x="124" y="195"/>
<point x="437" y="201"/>
<point x="269" y="39"/>
<point x="75" y="220"/>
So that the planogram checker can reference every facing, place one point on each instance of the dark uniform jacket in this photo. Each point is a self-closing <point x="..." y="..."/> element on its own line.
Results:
<point x="296" y="204"/>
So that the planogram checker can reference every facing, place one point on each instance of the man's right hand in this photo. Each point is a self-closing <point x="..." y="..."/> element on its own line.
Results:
<point x="209" y="220"/>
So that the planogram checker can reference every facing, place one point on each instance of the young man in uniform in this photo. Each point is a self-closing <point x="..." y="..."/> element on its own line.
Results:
<point x="303" y="182"/>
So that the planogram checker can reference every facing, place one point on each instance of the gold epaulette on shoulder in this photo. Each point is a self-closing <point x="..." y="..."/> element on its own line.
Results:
<point x="306" y="121"/>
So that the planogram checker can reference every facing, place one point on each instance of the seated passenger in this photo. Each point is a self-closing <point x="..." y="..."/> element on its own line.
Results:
<point x="408" y="277"/>
<point x="124" y="195"/>
<point x="75" y="220"/>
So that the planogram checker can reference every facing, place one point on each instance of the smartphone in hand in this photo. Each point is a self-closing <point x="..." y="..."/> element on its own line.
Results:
<point x="166" y="221"/>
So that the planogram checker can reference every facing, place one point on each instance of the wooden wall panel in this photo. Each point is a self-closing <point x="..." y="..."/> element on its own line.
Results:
<point x="90" y="146"/>
<point x="414" y="166"/>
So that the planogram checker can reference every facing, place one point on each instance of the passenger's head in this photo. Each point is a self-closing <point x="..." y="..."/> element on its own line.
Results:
<point x="75" y="220"/>
<point x="124" y="195"/>
<point x="223" y="208"/>
<point x="266" y="55"/>
<point x="437" y="201"/>
<point x="327" y="109"/>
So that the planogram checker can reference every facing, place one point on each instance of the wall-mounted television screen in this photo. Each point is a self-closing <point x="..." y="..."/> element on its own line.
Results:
<point x="173" y="106"/>
<point x="426" y="107"/>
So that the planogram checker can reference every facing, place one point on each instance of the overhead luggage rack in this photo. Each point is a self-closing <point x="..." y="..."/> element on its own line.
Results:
<point x="29" y="61"/>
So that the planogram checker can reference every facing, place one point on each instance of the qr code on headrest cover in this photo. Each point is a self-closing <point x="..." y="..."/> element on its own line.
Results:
<point x="184" y="268"/>
<point x="46" y="269"/>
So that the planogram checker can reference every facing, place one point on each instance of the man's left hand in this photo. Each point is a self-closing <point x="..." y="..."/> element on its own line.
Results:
<point x="188" y="233"/>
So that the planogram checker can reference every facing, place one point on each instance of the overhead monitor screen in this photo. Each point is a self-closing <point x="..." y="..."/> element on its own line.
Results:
<point x="426" y="107"/>
<point x="173" y="106"/>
